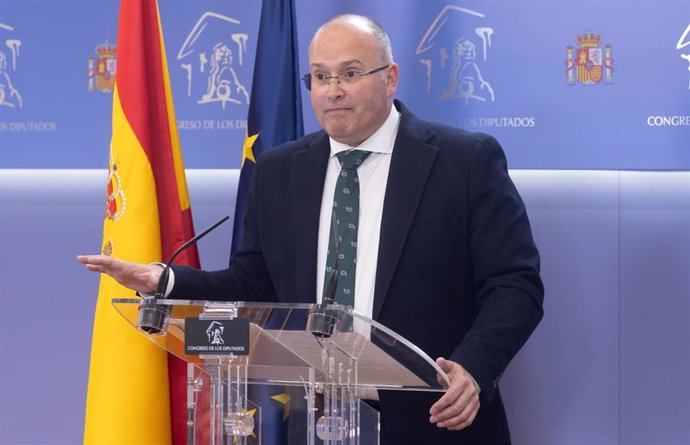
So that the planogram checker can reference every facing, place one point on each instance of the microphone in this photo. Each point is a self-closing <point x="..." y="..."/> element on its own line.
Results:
<point x="322" y="320"/>
<point x="163" y="281"/>
<point x="328" y="296"/>
<point x="152" y="317"/>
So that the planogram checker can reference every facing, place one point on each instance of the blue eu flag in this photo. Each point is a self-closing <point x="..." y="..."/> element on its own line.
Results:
<point x="275" y="106"/>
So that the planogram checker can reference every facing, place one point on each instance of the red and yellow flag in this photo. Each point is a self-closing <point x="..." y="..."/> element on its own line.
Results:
<point x="147" y="218"/>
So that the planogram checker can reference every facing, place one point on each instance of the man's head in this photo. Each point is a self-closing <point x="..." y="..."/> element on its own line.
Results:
<point x="351" y="111"/>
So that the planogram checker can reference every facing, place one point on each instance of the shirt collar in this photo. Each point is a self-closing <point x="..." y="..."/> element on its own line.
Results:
<point x="380" y="142"/>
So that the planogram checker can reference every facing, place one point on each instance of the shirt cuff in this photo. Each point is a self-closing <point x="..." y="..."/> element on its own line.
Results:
<point x="169" y="288"/>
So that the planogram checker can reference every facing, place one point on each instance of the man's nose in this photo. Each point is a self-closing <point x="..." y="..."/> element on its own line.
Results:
<point x="334" y="87"/>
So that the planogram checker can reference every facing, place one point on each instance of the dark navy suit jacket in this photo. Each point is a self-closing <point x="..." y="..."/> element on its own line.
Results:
<point x="457" y="274"/>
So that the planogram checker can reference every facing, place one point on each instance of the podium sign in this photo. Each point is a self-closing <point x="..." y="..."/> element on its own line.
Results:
<point x="216" y="337"/>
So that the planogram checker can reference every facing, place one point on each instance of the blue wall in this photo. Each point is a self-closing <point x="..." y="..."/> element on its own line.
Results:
<point x="603" y="169"/>
<point x="629" y="108"/>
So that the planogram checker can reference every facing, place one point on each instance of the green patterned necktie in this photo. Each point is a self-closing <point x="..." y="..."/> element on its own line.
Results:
<point x="343" y="255"/>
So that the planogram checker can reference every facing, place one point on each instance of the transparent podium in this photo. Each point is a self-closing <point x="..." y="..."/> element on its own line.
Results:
<point x="330" y="358"/>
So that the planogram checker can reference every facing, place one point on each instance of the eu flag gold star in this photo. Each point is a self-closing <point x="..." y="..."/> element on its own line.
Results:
<point x="283" y="399"/>
<point x="248" y="152"/>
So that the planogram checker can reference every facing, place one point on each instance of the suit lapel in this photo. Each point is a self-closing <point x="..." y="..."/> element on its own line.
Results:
<point x="308" y="171"/>
<point x="411" y="164"/>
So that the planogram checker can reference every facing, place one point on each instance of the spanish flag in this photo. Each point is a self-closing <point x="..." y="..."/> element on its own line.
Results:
<point x="147" y="216"/>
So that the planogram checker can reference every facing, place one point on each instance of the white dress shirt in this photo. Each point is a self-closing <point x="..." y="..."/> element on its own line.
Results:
<point x="373" y="177"/>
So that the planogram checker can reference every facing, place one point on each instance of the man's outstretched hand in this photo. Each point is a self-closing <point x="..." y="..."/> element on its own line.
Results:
<point x="139" y="277"/>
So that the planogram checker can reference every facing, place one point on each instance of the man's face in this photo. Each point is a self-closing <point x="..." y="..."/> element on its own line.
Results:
<point x="350" y="112"/>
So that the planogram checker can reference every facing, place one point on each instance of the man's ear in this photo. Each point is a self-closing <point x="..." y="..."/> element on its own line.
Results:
<point x="392" y="79"/>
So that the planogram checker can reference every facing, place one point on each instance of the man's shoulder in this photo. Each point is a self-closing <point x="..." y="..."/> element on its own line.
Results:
<point x="287" y="149"/>
<point x="441" y="134"/>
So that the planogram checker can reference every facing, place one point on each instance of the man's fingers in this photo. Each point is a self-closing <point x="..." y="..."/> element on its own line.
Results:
<point x="462" y="420"/>
<point x="136" y="276"/>
<point x="94" y="259"/>
<point x="445" y="401"/>
<point x="95" y="268"/>
<point x="448" y="407"/>
<point x="460" y="415"/>
<point x="84" y="259"/>
<point x="458" y="407"/>
<point x="447" y="367"/>
<point x="444" y="364"/>
<point x="99" y="263"/>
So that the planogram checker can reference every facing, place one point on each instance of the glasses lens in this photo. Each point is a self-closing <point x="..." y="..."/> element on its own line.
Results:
<point x="307" y="82"/>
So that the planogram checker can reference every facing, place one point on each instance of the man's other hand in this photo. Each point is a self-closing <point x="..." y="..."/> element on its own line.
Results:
<point x="458" y="407"/>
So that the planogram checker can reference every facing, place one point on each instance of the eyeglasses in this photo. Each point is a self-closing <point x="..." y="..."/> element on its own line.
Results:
<point x="347" y="77"/>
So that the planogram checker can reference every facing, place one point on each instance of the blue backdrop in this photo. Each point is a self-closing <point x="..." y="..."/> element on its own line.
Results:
<point x="569" y="85"/>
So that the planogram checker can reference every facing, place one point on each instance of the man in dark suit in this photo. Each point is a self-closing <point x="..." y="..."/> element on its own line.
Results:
<point x="445" y="255"/>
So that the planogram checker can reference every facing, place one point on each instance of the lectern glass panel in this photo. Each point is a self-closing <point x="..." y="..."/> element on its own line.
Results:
<point x="332" y="354"/>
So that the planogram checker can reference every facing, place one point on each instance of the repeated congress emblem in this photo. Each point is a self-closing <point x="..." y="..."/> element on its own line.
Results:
<point x="590" y="64"/>
<point x="211" y="55"/>
<point x="453" y="53"/>
<point x="9" y="55"/>
<point x="115" y="202"/>
<point x="683" y="42"/>
<point x="102" y="70"/>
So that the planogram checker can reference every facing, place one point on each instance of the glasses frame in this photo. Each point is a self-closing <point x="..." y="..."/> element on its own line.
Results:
<point x="307" y="77"/>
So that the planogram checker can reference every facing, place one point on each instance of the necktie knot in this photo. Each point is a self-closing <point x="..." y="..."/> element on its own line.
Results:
<point x="352" y="159"/>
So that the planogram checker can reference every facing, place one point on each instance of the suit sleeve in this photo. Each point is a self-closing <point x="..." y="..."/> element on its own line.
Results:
<point x="505" y="269"/>
<point x="247" y="278"/>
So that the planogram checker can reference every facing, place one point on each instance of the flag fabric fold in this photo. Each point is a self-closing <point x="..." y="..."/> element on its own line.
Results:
<point x="148" y="216"/>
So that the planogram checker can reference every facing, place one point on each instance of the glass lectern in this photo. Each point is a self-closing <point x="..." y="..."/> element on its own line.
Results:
<point x="332" y="355"/>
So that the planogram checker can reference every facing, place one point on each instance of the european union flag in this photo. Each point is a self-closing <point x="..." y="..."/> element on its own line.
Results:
<point x="275" y="117"/>
<point x="275" y="106"/>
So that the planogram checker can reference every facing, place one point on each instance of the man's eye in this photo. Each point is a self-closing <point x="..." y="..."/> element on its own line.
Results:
<point x="319" y="76"/>
<point x="351" y="74"/>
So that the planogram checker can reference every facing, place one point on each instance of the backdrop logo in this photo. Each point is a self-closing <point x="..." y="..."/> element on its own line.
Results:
<point x="210" y="55"/>
<point x="682" y="43"/>
<point x="454" y="51"/>
<point x="9" y="56"/>
<point x="103" y="69"/>
<point x="590" y="63"/>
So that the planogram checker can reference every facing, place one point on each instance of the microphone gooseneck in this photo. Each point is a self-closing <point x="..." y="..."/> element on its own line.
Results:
<point x="328" y="296"/>
<point x="152" y="317"/>
<point x="163" y="281"/>
<point x="322" y="320"/>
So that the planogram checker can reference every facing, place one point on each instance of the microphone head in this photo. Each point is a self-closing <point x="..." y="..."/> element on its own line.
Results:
<point x="325" y="320"/>
<point x="322" y="322"/>
<point x="153" y="318"/>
